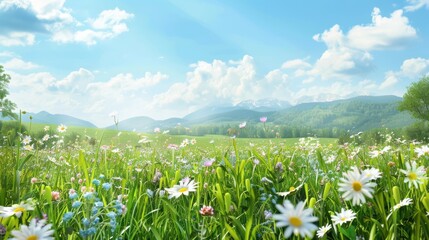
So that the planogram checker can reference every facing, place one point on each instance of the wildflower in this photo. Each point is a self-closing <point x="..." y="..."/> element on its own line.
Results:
<point x="106" y="186"/>
<point x="46" y="128"/>
<point x="28" y="147"/>
<point x="149" y="192"/>
<point x="184" y="188"/>
<point x="323" y="230"/>
<point x="372" y="173"/>
<point x="343" y="217"/>
<point x="207" y="210"/>
<point x="36" y="230"/>
<point x="55" y="195"/>
<point x="414" y="174"/>
<point x="263" y="119"/>
<point x="67" y="216"/>
<point x="173" y="147"/>
<point x="26" y="140"/>
<point x="76" y="204"/>
<point x="157" y="130"/>
<point x="209" y="162"/>
<point x="45" y="138"/>
<point x="157" y="176"/>
<point x="267" y="214"/>
<point x="62" y="128"/>
<point x="422" y="150"/>
<point x="33" y="180"/>
<point x="104" y="147"/>
<point x="297" y="220"/>
<point x="99" y="204"/>
<point x="291" y="190"/>
<point x="3" y="231"/>
<point x="193" y="141"/>
<point x="111" y="215"/>
<point x="242" y="125"/>
<point x="279" y="167"/>
<point x="356" y="186"/>
<point x="266" y="180"/>
<point x="96" y="182"/>
<point x="15" y="209"/>
<point x="404" y="202"/>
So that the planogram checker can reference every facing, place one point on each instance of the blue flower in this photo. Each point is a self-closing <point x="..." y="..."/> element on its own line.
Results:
<point x="96" y="182"/>
<point x="85" y="222"/>
<point x="88" y="195"/>
<point x="76" y="204"/>
<point x="106" y="186"/>
<point x="67" y="216"/>
<point x="99" y="204"/>
<point x="94" y="210"/>
<point x="73" y="195"/>
<point x="111" y="215"/>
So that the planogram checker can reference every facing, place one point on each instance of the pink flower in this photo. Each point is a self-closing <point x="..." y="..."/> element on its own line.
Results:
<point x="242" y="125"/>
<point x="207" y="211"/>
<point x="209" y="162"/>
<point x="55" y="195"/>
<point x="263" y="119"/>
<point x="33" y="180"/>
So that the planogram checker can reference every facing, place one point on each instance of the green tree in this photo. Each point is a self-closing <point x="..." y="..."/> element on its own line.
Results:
<point x="416" y="99"/>
<point x="6" y="106"/>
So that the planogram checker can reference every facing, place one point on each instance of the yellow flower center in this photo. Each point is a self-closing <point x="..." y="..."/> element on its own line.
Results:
<point x="32" y="237"/>
<point x="343" y="219"/>
<point x="295" y="221"/>
<point x="357" y="186"/>
<point x="183" y="189"/>
<point x="412" y="176"/>
<point x="291" y="189"/>
<point x="19" y="209"/>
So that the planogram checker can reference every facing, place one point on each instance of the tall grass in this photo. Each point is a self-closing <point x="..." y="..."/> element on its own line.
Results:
<point x="116" y="190"/>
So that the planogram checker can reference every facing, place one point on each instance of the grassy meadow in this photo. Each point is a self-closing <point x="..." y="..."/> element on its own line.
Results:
<point x="124" y="185"/>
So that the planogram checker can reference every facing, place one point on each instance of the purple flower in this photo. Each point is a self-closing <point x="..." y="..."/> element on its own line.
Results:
<point x="263" y="119"/>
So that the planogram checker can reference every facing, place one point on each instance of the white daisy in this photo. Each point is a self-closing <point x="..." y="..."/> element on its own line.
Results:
<point x="36" y="230"/>
<point x="26" y="140"/>
<point x="404" y="202"/>
<point x="414" y="174"/>
<point x="343" y="217"/>
<point x="297" y="220"/>
<point x="323" y="230"/>
<point x="15" y="209"/>
<point x="62" y="128"/>
<point x="184" y="187"/>
<point x="372" y="173"/>
<point x="356" y="186"/>
<point x="422" y="150"/>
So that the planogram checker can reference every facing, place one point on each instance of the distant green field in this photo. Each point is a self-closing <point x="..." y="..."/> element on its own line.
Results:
<point x="114" y="137"/>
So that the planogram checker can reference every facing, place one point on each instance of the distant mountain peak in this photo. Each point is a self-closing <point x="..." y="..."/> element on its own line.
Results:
<point x="264" y="104"/>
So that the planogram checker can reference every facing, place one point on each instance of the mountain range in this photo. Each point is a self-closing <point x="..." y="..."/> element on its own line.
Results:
<point x="358" y="113"/>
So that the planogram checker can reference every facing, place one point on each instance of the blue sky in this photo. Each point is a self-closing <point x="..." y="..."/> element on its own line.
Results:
<point x="168" y="58"/>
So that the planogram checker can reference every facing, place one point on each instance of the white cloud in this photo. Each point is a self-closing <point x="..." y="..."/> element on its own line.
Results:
<point x="296" y="63"/>
<point x="109" y="24"/>
<point x="19" y="64"/>
<point x="416" y="4"/>
<point x="411" y="69"/>
<point x="17" y="39"/>
<point x="389" y="81"/>
<point x="218" y="82"/>
<point x="51" y="16"/>
<point x="112" y="20"/>
<point x="415" y="67"/>
<point x="382" y="33"/>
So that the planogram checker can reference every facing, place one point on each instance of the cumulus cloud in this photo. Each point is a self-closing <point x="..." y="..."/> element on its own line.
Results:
<point x="348" y="55"/>
<point x="109" y="24"/>
<point x="411" y="70"/>
<point x="22" y="20"/>
<point x="19" y="64"/>
<point x="382" y="33"/>
<point x="208" y="83"/>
